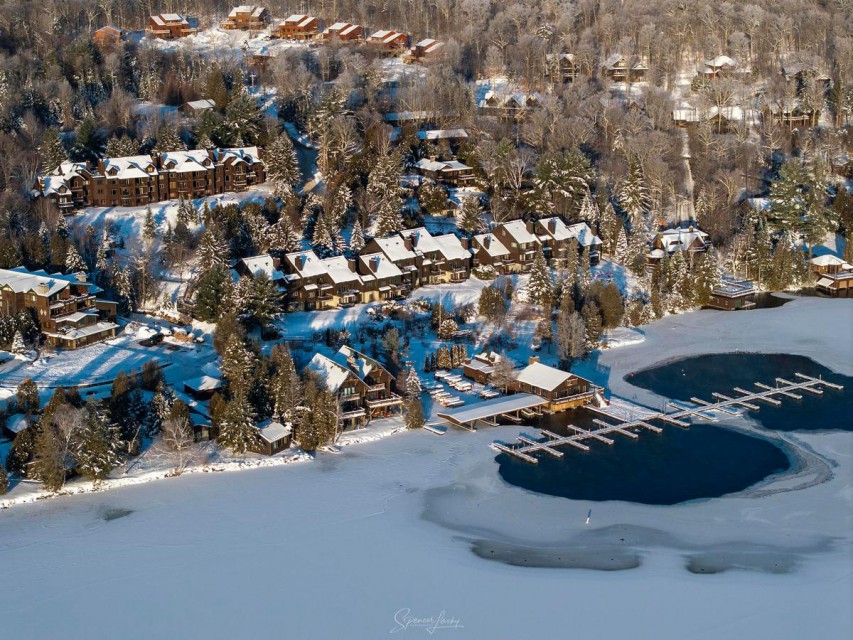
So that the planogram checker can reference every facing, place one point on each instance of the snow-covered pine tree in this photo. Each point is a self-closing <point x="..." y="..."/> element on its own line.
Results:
<point x="383" y="191"/>
<point x="186" y="212"/>
<point x="706" y="277"/>
<point x="73" y="262"/>
<point x="98" y="451"/>
<point x="680" y="283"/>
<point x="121" y="147"/>
<point x="621" y="246"/>
<point x="52" y="151"/>
<point x="337" y="204"/>
<point x="356" y="242"/>
<point x="212" y="250"/>
<point x="589" y="212"/>
<point x="282" y="167"/>
<point x="413" y="386"/>
<point x="788" y="197"/>
<point x="470" y="216"/>
<point x="168" y="139"/>
<point x="124" y="287"/>
<point x="238" y="364"/>
<point x="264" y="299"/>
<point x="432" y="197"/>
<point x="18" y="344"/>
<point x="389" y="219"/>
<point x="539" y="288"/>
<point x="243" y="119"/>
<point x="563" y="178"/>
<point x="282" y="236"/>
<point x="443" y="358"/>
<point x="634" y="198"/>
<point x="415" y="414"/>
<point x="321" y="239"/>
<point x="237" y="430"/>
<point x="48" y="464"/>
<point x="4" y="479"/>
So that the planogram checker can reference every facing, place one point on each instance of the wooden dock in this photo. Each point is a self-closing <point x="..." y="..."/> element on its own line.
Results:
<point x="525" y="447"/>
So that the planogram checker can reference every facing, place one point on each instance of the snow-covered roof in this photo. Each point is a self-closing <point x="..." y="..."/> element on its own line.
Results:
<point x="339" y="270"/>
<point x="310" y="266"/>
<point x="201" y="105"/>
<point x="542" y="376"/>
<point x="329" y="371"/>
<point x="517" y="230"/>
<point x="491" y="245"/>
<point x="385" y="36"/>
<point x="186" y="161"/>
<point x="395" y="248"/>
<point x="613" y="60"/>
<point x="422" y="240"/>
<point x="379" y="265"/>
<point x="203" y="383"/>
<point x="263" y="263"/>
<point x="299" y="20"/>
<point x="428" y="164"/>
<point x="719" y="62"/>
<point x="247" y="154"/>
<point x="82" y="332"/>
<point x="429" y="45"/>
<point x="252" y="9"/>
<point x="586" y="236"/>
<point x="829" y="260"/>
<point x="494" y="407"/>
<point x="21" y="280"/>
<point x="273" y="431"/>
<point x="443" y="134"/>
<point x="673" y="238"/>
<point x="451" y="248"/>
<point x="360" y="364"/>
<point x="164" y="18"/>
<point x="130" y="167"/>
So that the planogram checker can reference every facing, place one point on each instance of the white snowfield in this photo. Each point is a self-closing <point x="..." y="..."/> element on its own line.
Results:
<point x="364" y="543"/>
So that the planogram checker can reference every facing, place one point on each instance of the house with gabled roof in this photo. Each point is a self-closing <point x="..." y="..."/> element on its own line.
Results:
<point x="389" y="41"/>
<point x="253" y="266"/>
<point x="488" y="251"/>
<point x="247" y="17"/>
<point x="309" y="286"/>
<point x="560" y="68"/>
<point x="109" y="36"/>
<point x="273" y="437"/>
<point x="562" y="390"/>
<point x="65" y="305"/>
<point x="347" y="285"/>
<point x="197" y="107"/>
<point x="689" y="239"/>
<point x="379" y="399"/>
<point x="398" y="250"/>
<point x="620" y="68"/>
<point x="347" y="387"/>
<point x="381" y="278"/>
<point x="426" y="49"/>
<point x="298" y="27"/>
<point x="557" y="238"/>
<point x="518" y="237"/>
<point x="450" y="172"/>
<point x="344" y="31"/>
<point x="168" y="26"/>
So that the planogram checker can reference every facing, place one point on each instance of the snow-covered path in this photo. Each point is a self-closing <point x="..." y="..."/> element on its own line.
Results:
<point x="340" y="547"/>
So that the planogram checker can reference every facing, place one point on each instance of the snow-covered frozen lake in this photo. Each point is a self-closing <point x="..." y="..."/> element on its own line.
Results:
<point x="422" y="526"/>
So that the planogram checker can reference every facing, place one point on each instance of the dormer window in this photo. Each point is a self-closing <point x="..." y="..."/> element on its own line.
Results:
<point x="112" y="171"/>
<point x="150" y="168"/>
<point x="206" y="162"/>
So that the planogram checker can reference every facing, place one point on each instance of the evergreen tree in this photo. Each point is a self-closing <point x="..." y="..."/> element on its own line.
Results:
<point x="592" y="321"/>
<point x="707" y="277"/>
<point x="286" y="385"/>
<point x="621" y="246"/>
<point x="213" y="251"/>
<point x="282" y="237"/>
<point x="237" y="430"/>
<point x="321" y="239"/>
<point x="413" y="386"/>
<point x="427" y="364"/>
<point x="432" y="197"/>
<point x="238" y="364"/>
<point x="356" y="242"/>
<point x="213" y="293"/>
<point x="470" y="216"/>
<point x="48" y="464"/>
<point x="87" y="144"/>
<point x="124" y="287"/>
<point x="264" y="299"/>
<point x="98" y="451"/>
<point x="52" y="151"/>
<point x="243" y="120"/>
<point x="121" y="147"/>
<point x="383" y="191"/>
<point x="446" y="330"/>
<point x="589" y="212"/>
<point x="634" y="198"/>
<point x="414" y="414"/>
<point x="539" y="289"/>
<point x="168" y="139"/>
<point x="443" y="358"/>
<point x="282" y="168"/>
<point x="149" y="227"/>
<point x="563" y="179"/>
<point x="18" y="344"/>
<point x="788" y="196"/>
<point x="608" y="229"/>
<point x="73" y="262"/>
<point x="186" y="213"/>
<point x="4" y="480"/>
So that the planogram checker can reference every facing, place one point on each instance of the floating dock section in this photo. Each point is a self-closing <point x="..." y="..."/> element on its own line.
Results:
<point x="489" y="411"/>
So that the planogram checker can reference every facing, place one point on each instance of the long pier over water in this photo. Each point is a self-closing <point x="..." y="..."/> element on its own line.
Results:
<point x="524" y="448"/>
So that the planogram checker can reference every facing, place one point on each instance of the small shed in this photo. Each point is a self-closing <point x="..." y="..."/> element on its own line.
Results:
<point x="275" y="437"/>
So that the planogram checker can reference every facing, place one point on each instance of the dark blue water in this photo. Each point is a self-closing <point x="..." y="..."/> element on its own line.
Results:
<point x="705" y="461"/>
<point x="700" y="376"/>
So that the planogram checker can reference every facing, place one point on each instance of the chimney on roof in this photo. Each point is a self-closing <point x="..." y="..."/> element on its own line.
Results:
<point x="552" y="225"/>
<point x="43" y="288"/>
<point x="487" y="241"/>
<point x="414" y="238"/>
<point x="533" y="360"/>
<point x="351" y="264"/>
<point x="529" y="226"/>
<point x="300" y="262"/>
<point x="464" y="242"/>
<point x="374" y="264"/>
<point x="408" y="243"/>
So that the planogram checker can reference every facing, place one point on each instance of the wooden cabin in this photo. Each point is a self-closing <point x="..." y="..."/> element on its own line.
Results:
<point x="390" y="42"/>
<point x="347" y="387"/>
<point x="450" y="172"/>
<point x="834" y="275"/>
<point x="518" y="237"/>
<point x="109" y="37"/>
<point x="733" y="295"/>
<point x="619" y="68"/>
<point x="562" y="390"/>
<point x="202" y="388"/>
<point x="273" y="437"/>
<point x="298" y="27"/>
<point x="426" y="49"/>
<point x="344" y="31"/>
<point x="247" y="17"/>
<point x="380" y="399"/>
<point x="168" y="26"/>
<point x="560" y="68"/>
<point x="488" y="251"/>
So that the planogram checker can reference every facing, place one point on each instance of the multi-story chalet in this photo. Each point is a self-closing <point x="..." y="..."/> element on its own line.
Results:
<point x="512" y="106"/>
<point x="309" y="286"/>
<point x="168" y="26"/>
<point x="450" y="172"/>
<point x="488" y="251"/>
<point x="247" y="17"/>
<point x="348" y="388"/>
<point x="691" y="240"/>
<point x="427" y="49"/>
<point x="109" y="36"/>
<point x="263" y="264"/>
<point x="65" y="306"/>
<point x="455" y="263"/>
<point x="379" y="399"/>
<point x="347" y="284"/>
<point x="381" y="278"/>
<point x="344" y="31"/>
<point x="718" y="67"/>
<point x="556" y="238"/>
<point x="560" y="68"/>
<point x="390" y="41"/>
<point x="399" y="251"/>
<point x="427" y="254"/>
<point x="562" y="389"/>
<point x="141" y="180"/>
<point x="298" y="27"/>
<point x="517" y="236"/>
<point x="620" y="69"/>
<point x="835" y="276"/>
